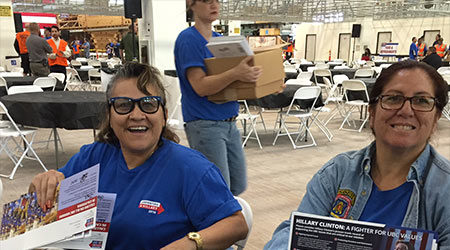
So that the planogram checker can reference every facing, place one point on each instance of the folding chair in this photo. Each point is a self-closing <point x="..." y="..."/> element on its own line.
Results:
<point x="248" y="216"/>
<point x="24" y="89"/>
<point x="7" y="134"/>
<point x="355" y="85"/>
<point x="361" y="73"/>
<point x="370" y="63"/>
<point x="45" y="82"/>
<point x="304" y="93"/>
<point x="322" y="65"/>
<point x="322" y="73"/>
<point x="75" y="63"/>
<point x="95" y="63"/>
<point x="17" y="69"/>
<point x="60" y="76"/>
<point x="341" y="67"/>
<point x="248" y="120"/>
<point x="444" y="70"/>
<point x="95" y="79"/>
<point x="74" y="81"/>
<point x="335" y="97"/>
<point x="4" y="84"/>
<point x="303" y="79"/>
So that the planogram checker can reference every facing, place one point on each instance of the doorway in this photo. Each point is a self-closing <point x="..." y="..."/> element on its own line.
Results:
<point x="344" y="46"/>
<point x="310" y="48"/>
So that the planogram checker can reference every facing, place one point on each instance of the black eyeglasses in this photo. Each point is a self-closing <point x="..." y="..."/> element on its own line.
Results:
<point x="208" y="1"/>
<point x="124" y="105"/>
<point x="418" y="103"/>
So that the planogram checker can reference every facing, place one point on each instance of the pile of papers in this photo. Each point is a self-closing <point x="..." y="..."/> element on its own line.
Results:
<point x="78" y="219"/>
<point x="229" y="46"/>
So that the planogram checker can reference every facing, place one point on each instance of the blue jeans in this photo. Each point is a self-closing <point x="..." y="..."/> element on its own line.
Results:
<point x="220" y="142"/>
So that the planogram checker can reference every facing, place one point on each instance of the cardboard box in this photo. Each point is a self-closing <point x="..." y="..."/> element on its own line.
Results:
<point x="269" y="32"/>
<point x="271" y="81"/>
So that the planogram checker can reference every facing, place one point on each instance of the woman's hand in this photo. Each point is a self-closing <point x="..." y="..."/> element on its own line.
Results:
<point x="246" y="73"/>
<point x="44" y="184"/>
<point x="181" y="244"/>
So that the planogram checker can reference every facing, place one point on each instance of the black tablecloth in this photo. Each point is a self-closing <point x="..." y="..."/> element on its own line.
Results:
<point x="61" y="109"/>
<point x="360" y="95"/>
<point x="83" y="73"/>
<point x="283" y="99"/>
<point x="16" y="81"/>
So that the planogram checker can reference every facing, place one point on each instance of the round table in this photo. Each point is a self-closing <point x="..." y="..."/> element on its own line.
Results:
<point x="60" y="109"/>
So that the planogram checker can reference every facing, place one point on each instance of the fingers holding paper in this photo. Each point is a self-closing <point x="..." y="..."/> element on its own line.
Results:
<point x="45" y="184"/>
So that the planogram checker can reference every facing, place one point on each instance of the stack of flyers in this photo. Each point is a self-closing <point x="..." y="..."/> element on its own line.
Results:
<point x="310" y="232"/>
<point x="229" y="46"/>
<point x="25" y="225"/>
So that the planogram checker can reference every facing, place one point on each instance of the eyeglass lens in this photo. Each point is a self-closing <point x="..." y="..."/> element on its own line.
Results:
<point x="126" y="105"/>
<point x="419" y="103"/>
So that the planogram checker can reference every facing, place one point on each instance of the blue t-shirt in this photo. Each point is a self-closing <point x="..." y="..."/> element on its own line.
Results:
<point x="190" y="51"/>
<point x="413" y="51"/>
<point x="388" y="207"/>
<point x="189" y="189"/>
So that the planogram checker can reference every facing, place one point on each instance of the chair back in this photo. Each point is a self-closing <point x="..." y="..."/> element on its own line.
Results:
<point x="322" y="65"/>
<point x="81" y="59"/>
<point x="370" y="63"/>
<point x="248" y="216"/>
<point x="45" y="82"/>
<point x="444" y="70"/>
<point x="75" y="63"/>
<point x="338" y="79"/>
<point x="311" y="69"/>
<point x="364" y="73"/>
<point x="304" y="76"/>
<point x="355" y="85"/>
<point x="94" y="73"/>
<point x="341" y="67"/>
<point x="322" y="72"/>
<point x="307" y="93"/>
<point x="60" y="76"/>
<point x="3" y="83"/>
<point x="385" y="65"/>
<point x="94" y="63"/>
<point x="86" y="67"/>
<point x="24" y="89"/>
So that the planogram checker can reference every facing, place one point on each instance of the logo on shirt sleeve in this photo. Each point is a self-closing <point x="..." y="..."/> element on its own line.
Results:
<point x="152" y="206"/>
<point x="343" y="202"/>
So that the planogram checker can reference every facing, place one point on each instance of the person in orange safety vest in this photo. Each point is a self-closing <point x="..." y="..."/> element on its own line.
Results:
<point x="422" y="47"/>
<point x="441" y="48"/>
<point x="76" y="48"/>
<point x="58" y="59"/>
<point x="21" y="48"/>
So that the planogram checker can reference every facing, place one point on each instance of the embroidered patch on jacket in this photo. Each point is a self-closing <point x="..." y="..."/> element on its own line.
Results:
<point x="152" y="206"/>
<point x="343" y="202"/>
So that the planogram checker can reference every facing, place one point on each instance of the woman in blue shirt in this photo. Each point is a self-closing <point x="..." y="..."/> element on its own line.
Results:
<point x="211" y="127"/>
<point x="140" y="162"/>
<point x="399" y="179"/>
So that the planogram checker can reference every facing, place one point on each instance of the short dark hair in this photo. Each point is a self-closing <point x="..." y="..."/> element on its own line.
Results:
<point x="55" y="27"/>
<point x="409" y="244"/>
<point x="413" y="38"/>
<point x="439" y="84"/>
<point x="146" y="76"/>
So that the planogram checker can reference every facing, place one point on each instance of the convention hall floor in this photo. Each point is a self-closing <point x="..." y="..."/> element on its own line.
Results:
<point x="277" y="175"/>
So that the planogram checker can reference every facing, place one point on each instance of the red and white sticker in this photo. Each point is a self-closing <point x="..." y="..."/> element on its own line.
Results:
<point x="152" y="206"/>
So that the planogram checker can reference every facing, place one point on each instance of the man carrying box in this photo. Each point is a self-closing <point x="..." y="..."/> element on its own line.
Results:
<point x="211" y="127"/>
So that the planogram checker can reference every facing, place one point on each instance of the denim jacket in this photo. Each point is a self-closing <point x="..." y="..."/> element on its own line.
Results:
<point x="342" y="187"/>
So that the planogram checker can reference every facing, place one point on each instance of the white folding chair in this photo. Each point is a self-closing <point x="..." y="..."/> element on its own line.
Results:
<point x="303" y="79"/>
<point x="362" y="104"/>
<point x="338" y="79"/>
<point x="74" y="81"/>
<point x="4" y="84"/>
<point x="385" y="65"/>
<point x="95" y="79"/>
<point x="248" y="122"/>
<point x="95" y="63"/>
<point x="75" y="63"/>
<point x="303" y="93"/>
<point x="248" y="216"/>
<point x="335" y="97"/>
<point x="364" y="72"/>
<point x="45" y="82"/>
<point x="60" y="76"/>
<point x="443" y="70"/>
<point x="341" y="67"/>
<point x="370" y="63"/>
<point x="24" y="89"/>
<point x="322" y="65"/>
<point x="322" y="73"/>
<point x="290" y="68"/>
<point x="8" y="134"/>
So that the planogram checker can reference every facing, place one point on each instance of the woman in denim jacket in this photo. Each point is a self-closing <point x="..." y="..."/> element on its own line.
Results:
<point x="399" y="179"/>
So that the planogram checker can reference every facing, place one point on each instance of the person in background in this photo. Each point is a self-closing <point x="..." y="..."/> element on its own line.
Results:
<point x="58" y="58"/>
<point x="86" y="48"/>
<point x="290" y="49"/>
<point x="47" y="33"/>
<point x="76" y="48"/>
<point x="438" y="36"/>
<point x="398" y="179"/>
<point x="117" y="49"/>
<point x="211" y="127"/>
<point x="441" y="48"/>
<point x="433" y="59"/>
<point x="413" y="49"/>
<point x="38" y="48"/>
<point x="421" y="47"/>
<point x="110" y="49"/>
<point x="367" y="55"/>
<point x="141" y="161"/>
<point x="21" y="49"/>
<point x="126" y="45"/>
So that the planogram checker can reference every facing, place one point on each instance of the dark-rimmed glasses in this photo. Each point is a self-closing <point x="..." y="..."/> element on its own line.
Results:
<point x="124" y="105"/>
<point x="417" y="103"/>
<point x="208" y="1"/>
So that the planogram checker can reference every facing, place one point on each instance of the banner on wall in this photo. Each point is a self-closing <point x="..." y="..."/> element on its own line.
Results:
<point x="388" y="49"/>
<point x="5" y="10"/>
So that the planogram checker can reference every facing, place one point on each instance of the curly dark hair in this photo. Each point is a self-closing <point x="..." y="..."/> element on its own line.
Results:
<point x="146" y="76"/>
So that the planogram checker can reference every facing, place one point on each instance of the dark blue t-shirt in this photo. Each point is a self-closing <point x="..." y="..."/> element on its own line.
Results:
<point x="187" y="188"/>
<point x="190" y="51"/>
<point x="388" y="207"/>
